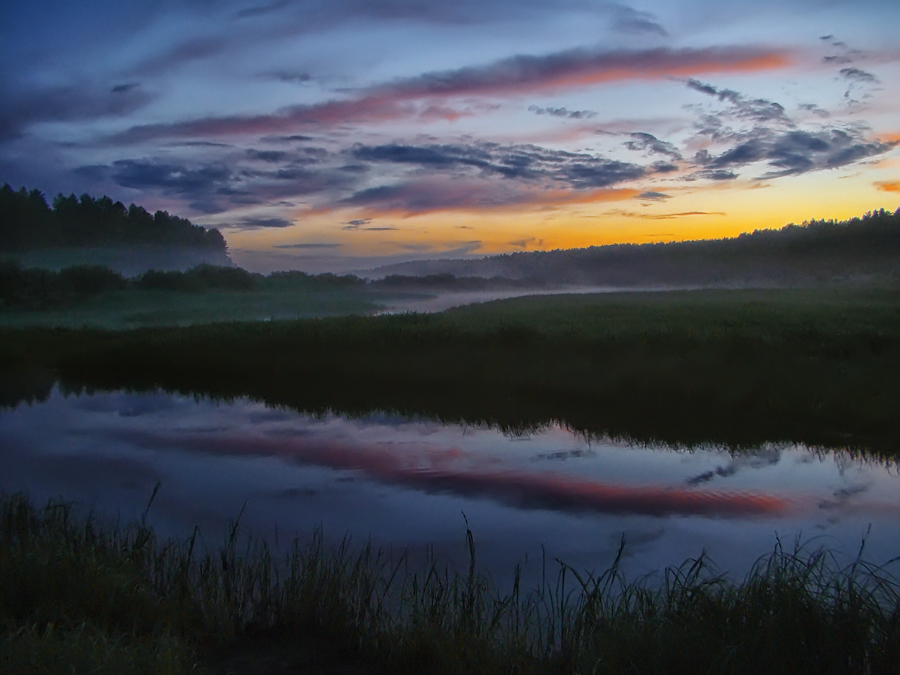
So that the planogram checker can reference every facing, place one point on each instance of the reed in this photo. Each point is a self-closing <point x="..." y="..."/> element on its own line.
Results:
<point x="75" y="594"/>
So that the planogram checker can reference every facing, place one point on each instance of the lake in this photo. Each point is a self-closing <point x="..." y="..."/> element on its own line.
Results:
<point x="412" y="484"/>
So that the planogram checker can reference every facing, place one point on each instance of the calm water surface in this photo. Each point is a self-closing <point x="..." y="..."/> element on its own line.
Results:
<point x="406" y="483"/>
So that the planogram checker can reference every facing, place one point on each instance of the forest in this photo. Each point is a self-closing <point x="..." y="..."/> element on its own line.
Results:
<point x="865" y="248"/>
<point x="27" y="222"/>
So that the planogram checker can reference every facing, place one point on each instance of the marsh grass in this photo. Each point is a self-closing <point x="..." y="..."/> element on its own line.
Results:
<point x="735" y="368"/>
<point x="117" y="599"/>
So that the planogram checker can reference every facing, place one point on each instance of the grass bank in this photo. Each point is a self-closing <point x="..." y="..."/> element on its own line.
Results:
<point x="77" y="595"/>
<point x="737" y="368"/>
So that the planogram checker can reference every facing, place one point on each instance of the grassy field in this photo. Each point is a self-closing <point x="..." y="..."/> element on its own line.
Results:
<point x="75" y="595"/>
<point x="729" y="367"/>
<point x="119" y="310"/>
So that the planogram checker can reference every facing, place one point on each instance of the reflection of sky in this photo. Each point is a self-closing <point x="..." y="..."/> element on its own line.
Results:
<point x="407" y="483"/>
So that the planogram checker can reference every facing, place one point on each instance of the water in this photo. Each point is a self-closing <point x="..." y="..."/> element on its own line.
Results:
<point x="405" y="484"/>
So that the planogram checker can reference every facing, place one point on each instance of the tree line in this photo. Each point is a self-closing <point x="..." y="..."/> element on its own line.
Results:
<point x="35" y="288"/>
<point x="27" y="222"/>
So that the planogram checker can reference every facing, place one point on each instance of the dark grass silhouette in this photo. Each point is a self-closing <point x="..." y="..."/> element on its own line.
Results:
<point x="116" y="599"/>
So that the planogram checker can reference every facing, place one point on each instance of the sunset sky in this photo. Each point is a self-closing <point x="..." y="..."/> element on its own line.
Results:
<point x="334" y="135"/>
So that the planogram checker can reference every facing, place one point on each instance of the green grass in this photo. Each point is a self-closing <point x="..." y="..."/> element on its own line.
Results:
<point x="133" y="309"/>
<point x="77" y="595"/>
<point x="735" y="368"/>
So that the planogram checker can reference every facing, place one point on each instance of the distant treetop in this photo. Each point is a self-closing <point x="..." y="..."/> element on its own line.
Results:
<point x="28" y="223"/>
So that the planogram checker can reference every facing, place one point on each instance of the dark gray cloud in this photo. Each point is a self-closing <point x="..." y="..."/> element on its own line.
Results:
<point x="652" y="196"/>
<point x="258" y="223"/>
<point x="755" y="109"/>
<point x="273" y="156"/>
<point x="173" y="58"/>
<point x="362" y="225"/>
<point x="23" y="108"/>
<point x="124" y="88"/>
<point x="563" y="112"/>
<point x="518" y="162"/>
<point x="287" y="76"/>
<point x="630" y="20"/>
<point x="712" y="174"/>
<point x="664" y="216"/>
<point x="177" y="178"/>
<point x="858" y="75"/>
<point x="306" y="246"/>
<point x="791" y="152"/>
<point x="260" y="10"/>
<point x="775" y="139"/>
<point x="645" y="142"/>
<point x="356" y="224"/>
<point x="815" y="110"/>
<point x="663" y="167"/>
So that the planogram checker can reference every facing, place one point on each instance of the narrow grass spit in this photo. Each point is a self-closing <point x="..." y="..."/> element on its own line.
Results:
<point x="76" y="596"/>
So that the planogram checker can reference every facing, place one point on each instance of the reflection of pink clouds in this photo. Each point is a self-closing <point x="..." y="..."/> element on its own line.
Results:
<point x="432" y="470"/>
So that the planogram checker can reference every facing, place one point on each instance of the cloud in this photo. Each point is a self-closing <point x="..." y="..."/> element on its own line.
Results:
<point x="353" y="224"/>
<point x="815" y="110"/>
<point x="630" y="20"/>
<point x="519" y="162"/>
<point x="888" y="185"/>
<point x="194" y="49"/>
<point x="362" y="224"/>
<point x="525" y="243"/>
<point x="663" y="167"/>
<point x="579" y="68"/>
<point x="178" y="178"/>
<point x="712" y="175"/>
<point x="519" y="75"/>
<point x="563" y="112"/>
<point x="857" y="75"/>
<point x="664" y="216"/>
<point x="267" y="155"/>
<point x="757" y="109"/>
<point x="84" y="102"/>
<point x="307" y="246"/>
<point x="653" y="196"/>
<point x="260" y="223"/>
<point x="285" y="76"/>
<point x="260" y="10"/>
<point x="425" y="195"/>
<point x="775" y="139"/>
<point x="645" y="142"/>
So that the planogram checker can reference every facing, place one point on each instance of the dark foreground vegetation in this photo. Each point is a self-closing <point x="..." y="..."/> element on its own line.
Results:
<point x="76" y="596"/>
<point x="736" y="368"/>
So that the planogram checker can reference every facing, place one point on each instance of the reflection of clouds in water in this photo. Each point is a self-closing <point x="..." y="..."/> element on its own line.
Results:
<point x="434" y="469"/>
<point x="636" y="539"/>
<point x="125" y="405"/>
<point x="767" y="457"/>
<point x="843" y="496"/>
<point x="101" y="470"/>
<point x="562" y="455"/>
<point x="270" y="415"/>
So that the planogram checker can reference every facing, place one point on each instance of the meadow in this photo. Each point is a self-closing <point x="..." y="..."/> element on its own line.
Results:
<point x="729" y="367"/>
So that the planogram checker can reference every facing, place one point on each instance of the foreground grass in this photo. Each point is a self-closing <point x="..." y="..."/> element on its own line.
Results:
<point x="77" y="597"/>
<point x="738" y="368"/>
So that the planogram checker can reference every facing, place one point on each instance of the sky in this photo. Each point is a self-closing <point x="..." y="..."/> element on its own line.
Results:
<point x="336" y="135"/>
